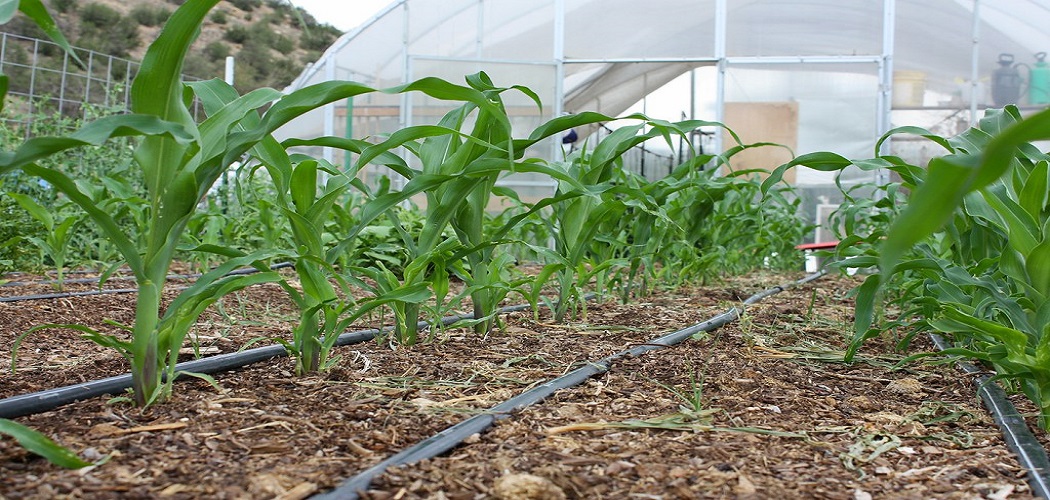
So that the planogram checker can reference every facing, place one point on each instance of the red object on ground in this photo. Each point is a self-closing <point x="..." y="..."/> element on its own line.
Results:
<point x="817" y="246"/>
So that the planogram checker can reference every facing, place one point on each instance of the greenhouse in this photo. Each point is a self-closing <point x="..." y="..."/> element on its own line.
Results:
<point x="812" y="75"/>
<point x="525" y="250"/>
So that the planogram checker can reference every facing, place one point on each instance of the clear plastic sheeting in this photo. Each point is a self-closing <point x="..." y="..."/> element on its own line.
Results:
<point x="853" y="68"/>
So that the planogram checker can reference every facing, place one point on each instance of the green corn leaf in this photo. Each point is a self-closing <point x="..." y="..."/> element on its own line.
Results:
<point x="38" y="212"/>
<point x="158" y="90"/>
<point x="41" y="445"/>
<point x="395" y="162"/>
<point x="1015" y="341"/>
<point x="919" y="131"/>
<point x="176" y="323"/>
<point x="1037" y="264"/>
<point x="1020" y="226"/>
<point x="35" y="10"/>
<point x="93" y="134"/>
<point x="930" y="207"/>
<point x="304" y="185"/>
<point x="823" y="161"/>
<point x="238" y="259"/>
<point x="1035" y="190"/>
<point x="215" y="129"/>
<point x="1002" y="149"/>
<point x="4" y="83"/>
<point x="867" y="296"/>
<point x="99" y="216"/>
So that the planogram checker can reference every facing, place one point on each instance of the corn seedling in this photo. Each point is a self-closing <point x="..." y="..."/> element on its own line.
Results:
<point x="970" y="252"/>
<point x="59" y="233"/>
<point x="40" y="444"/>
<point x="180" y="161"/>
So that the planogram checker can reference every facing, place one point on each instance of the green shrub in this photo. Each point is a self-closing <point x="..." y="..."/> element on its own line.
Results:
<point x="246" y="5"/>
<point x="282" y="44"/>
<point x="65" y="6"/>
<point x="99" y="16"/>
<point x="236" y="34"/>
<point x="216" y="51"/>
<point x="148" y="15"/>
<point x="15" y="226"/>
<point x="219" y="17"/>
<point x="105" y="30"/>
<point x="317" y="39"/>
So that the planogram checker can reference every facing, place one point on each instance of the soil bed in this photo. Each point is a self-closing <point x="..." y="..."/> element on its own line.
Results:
<point x="777" y="416"/>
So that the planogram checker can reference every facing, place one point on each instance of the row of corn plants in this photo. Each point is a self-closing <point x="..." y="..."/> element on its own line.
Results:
<point x="316" y="215"/>
<point x="962" y="247"/>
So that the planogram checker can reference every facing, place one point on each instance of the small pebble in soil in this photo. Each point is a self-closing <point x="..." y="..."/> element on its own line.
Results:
<point x="526" y="487"/>
<point x="906" y="386"/>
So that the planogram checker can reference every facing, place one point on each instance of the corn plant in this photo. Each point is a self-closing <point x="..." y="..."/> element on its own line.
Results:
<point x="59" y="233"/>
<point x="969" y="253"/>
<point x="180" y="161"/>
<point x="461" y="168"/>
<point x="579" y="213"/>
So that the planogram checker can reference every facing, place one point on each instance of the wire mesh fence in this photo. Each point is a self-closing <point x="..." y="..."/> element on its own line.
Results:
<point x="45" y="81"/>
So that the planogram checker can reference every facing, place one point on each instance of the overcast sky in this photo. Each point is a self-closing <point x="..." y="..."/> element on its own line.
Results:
<point x="345" y="15"/>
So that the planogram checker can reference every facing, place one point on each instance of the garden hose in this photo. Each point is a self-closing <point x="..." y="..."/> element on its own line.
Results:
<point x="1019" y="438"/>
<point x="456" y="434"/>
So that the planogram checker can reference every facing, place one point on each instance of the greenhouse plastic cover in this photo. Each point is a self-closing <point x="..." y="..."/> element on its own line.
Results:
<point x="834" y="56"/>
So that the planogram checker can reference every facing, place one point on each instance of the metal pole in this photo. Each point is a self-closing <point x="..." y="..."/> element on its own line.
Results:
<point x="559" y="69"/>
<point x="975" y="59"/>
<point x="885" y="97"/>
<point x="329" y="110"/>
<point x="721" y="16"/>
<point x="229" y="70"/>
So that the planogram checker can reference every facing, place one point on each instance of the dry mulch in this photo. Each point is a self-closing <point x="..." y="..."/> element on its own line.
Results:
<point x="760" y="408"/>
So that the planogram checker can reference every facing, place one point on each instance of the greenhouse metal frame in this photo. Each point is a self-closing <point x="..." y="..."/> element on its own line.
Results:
<point x="853" y="68"/>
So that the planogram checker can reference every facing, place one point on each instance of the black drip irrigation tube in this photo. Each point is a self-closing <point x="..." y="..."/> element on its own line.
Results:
<point x="453" y="436"/>
<point x="37" y="402"/>
<point x="1019" y="438"/>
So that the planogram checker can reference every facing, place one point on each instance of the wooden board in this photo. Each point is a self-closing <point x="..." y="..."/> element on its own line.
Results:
<point x="762" y="122"/>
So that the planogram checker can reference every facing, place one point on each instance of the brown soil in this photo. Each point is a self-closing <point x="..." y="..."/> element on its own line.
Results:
<point x="775" y="412"/>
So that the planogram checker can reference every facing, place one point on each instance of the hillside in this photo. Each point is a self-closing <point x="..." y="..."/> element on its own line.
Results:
<point x="271" y="40"/>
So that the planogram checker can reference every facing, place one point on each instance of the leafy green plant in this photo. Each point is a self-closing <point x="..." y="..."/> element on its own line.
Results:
<point x="41" y="445"/>
<point x="598" y="197"/>
<point x="458" y="176"/>
<point x="180" y="161"/>
<point x="969" y="253"/>
<point x="58" y="233"/>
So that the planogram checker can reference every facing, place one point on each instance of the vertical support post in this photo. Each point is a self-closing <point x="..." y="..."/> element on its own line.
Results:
<point x="349" y="131"/>
<point x="87" y="81"/>
<point x="62" y="88"/>
<point x="885" y="99"/>
<point x="721" y="23"/>
<point x="975" y="60"/>
<point x="478" y="42"/>
<point x="559" y="72"/>
<point x="329" y="109"/>
<point x="228" y="77"/>
<point x="109" y="80"/>
<point x="405" y="117"/>
<point x="32" y="79"/>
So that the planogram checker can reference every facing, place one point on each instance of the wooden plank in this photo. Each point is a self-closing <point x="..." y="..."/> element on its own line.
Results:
<point x="762" y="122"/>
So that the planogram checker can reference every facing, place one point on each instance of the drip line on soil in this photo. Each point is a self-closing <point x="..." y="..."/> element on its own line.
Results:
<point x="1019" y="438"/>
<point x="456" y="434"/>
<point x="62" y="295"/>
<point x="37" y="402"/>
